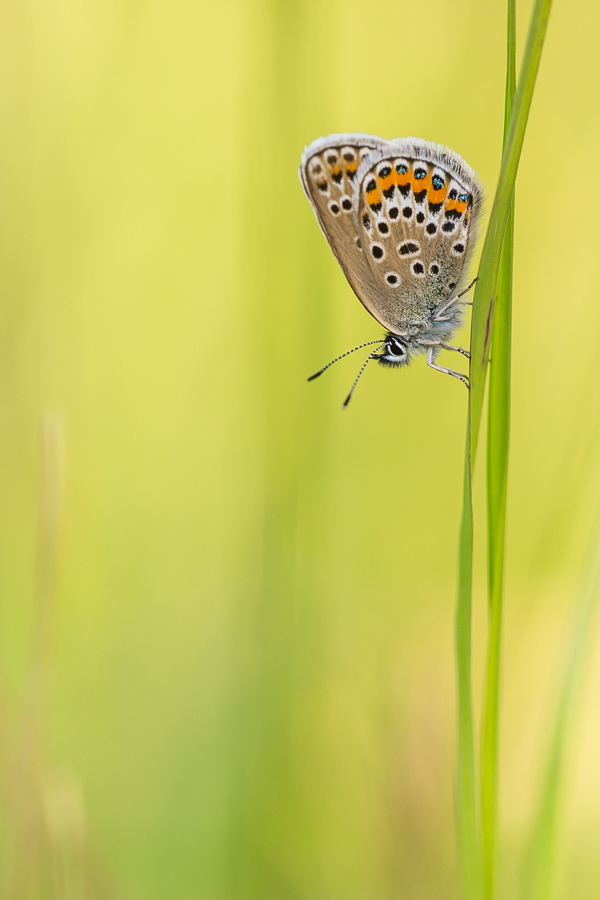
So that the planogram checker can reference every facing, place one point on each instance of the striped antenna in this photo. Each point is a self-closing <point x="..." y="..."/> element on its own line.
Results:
<point x="371" y="355"/>
<point x="360" y="346"/>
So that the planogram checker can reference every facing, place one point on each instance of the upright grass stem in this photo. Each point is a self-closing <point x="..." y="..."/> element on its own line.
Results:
<point x="489" y="268"/>
<point x="497" y="481"/>
<point x="470" y="848"/>
<point x="467" y="822"/>
<point x="24" y="878"/>
<point x="541" y="858"/>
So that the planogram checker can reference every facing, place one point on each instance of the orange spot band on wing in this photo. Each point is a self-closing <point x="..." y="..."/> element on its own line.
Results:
<point x="385" y="183"/>
<point x="422" y="184"/>
<point x="454" y="204"/>
<point x="374" y="197"/>
<point x="437" y="196"/>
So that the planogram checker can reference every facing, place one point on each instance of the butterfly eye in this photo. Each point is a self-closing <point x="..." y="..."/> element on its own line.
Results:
<point x="396" y="348"/>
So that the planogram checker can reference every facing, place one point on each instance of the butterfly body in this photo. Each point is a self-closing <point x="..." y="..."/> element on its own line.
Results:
<point x="400" y="217"/>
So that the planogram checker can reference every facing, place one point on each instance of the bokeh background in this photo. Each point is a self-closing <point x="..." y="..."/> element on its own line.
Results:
<point x="228" y="674"/>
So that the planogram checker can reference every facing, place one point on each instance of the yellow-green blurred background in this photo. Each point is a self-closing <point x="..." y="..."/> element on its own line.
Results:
<point x="242" y="686"/>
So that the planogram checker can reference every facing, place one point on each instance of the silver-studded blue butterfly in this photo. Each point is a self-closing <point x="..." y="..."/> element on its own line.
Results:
<point x="400" y="217"/>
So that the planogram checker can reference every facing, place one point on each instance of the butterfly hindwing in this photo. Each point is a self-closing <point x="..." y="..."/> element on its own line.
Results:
<point x="416" y="208"/>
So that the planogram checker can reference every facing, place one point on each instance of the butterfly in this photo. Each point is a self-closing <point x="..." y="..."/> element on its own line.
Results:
<point x="400" y="217"/>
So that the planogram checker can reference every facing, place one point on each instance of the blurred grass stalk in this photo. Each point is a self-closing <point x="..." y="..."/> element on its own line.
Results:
<point x="540" y="864"/>
<point x="472" y="860"/>
<point x="26" y="873"/>
<point x="497" y="481"/>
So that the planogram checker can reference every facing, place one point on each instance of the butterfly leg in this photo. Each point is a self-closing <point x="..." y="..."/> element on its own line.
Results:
<point x="431" y="362"/>
<point x="458" y="349"/>
<point x="439" y="317"/>
<point x="441" y="344"/>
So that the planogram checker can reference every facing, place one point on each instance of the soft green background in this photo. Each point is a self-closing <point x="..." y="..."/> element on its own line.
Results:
<point x="249" y="684"/>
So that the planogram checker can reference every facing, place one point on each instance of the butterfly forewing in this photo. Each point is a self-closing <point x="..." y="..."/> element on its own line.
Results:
<point x="328" y="173"/>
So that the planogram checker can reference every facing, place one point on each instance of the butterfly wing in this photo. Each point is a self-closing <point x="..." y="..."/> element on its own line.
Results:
<point x="416" y="207"/>
<point x="328" y="174"/>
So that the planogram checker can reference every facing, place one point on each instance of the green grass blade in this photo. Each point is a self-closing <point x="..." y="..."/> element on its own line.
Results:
<point x="541" y="858"/>
<point x="469" y="847"/>
<point x="492" y="250"/>
<point x="497" y="480"/>
<point x="468" y="835"/>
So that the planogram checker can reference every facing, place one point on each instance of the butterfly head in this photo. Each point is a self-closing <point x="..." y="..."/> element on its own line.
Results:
<point x="395" y="352"/>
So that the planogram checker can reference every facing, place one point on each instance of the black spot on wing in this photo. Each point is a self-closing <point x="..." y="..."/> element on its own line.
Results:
<point x="408" y="247"/>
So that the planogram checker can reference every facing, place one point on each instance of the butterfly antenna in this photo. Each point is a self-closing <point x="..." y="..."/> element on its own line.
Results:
<point x="360" y="346"/>
<point x="371" y="355"/>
